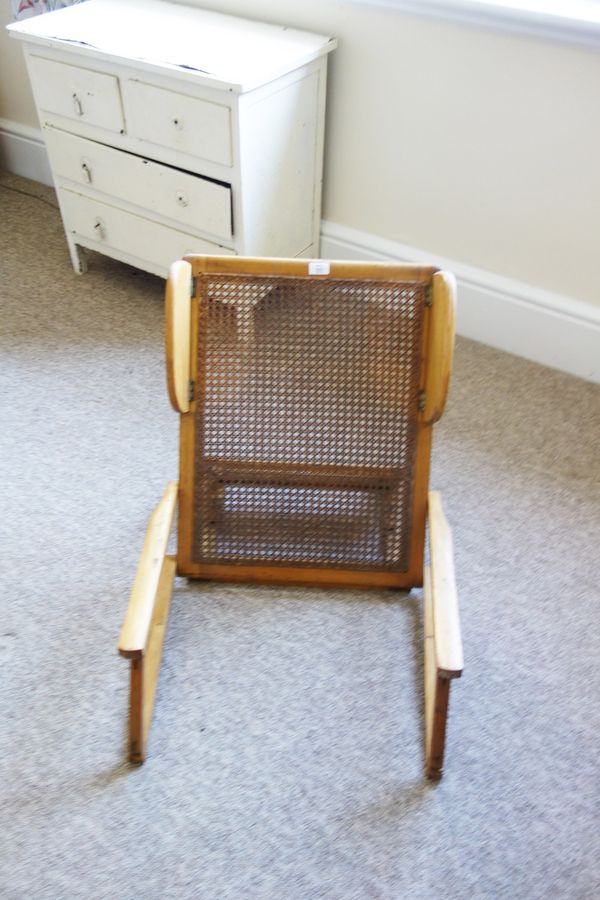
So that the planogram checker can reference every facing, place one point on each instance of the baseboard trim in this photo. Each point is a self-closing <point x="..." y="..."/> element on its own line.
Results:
<point x="23" y="152"/>
<point x="552" y="329"/>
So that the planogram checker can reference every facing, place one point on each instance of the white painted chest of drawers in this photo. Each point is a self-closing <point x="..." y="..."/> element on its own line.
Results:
<point x="171" y="130"/>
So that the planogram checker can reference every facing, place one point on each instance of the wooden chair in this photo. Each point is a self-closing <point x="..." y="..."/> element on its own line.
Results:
<point x="307" y="393"/>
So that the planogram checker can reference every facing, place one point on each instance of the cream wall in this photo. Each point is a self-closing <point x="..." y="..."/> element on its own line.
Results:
<point x="470" y="144"/>
<point x="16" y="101"/>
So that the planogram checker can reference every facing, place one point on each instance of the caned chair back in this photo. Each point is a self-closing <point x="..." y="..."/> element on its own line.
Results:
<point x="307" y="394"/>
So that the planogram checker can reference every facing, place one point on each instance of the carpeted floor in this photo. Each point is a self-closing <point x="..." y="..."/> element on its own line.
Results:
<point x="286" y="754"/>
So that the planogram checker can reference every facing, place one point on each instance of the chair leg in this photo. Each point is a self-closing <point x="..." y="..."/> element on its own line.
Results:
<point x="136" y="744"/>
<point x="437" y="694"/>
<point x="144" y="671"/>
<point x="443" y="644"/>
<point x="145" y="624"/>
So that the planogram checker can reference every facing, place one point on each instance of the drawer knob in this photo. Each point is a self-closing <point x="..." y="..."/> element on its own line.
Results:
<point x="87" y="172"/>
<point x="182" y="199"/>
<point x="99" y="229"/>
<point x="77" y="105"/>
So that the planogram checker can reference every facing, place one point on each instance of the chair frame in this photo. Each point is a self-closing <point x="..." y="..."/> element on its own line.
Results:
<point x="145" y="623"/>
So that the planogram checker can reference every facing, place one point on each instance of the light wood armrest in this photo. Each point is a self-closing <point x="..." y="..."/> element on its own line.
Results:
<point x="136" y="628"/>
<point x="444" y="600"/>
<point x="177" y="334"/>
<point x="440" y="353"/>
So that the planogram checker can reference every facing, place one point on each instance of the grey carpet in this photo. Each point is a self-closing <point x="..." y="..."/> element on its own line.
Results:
<point x="286" y="754"/>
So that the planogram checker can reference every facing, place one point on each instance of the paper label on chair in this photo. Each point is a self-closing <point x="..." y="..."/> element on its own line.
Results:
<point x="319" y="267"/>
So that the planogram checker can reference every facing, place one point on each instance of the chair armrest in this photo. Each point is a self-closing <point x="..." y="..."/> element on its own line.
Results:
<point x="138" y="620"/>
<point x="444" y="600"/>
<point x="177" y="334"/>
<point x="440" y="350"/>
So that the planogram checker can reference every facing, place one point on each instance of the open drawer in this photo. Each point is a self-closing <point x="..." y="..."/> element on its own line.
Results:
<point x="197" y="203"/>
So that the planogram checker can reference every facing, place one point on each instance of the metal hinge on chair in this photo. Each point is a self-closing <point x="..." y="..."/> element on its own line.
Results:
<point x="193" y="283"/>
<point x="428" y="295"/>
<point x="421" y="400"/>
<point x="191" y="390"/>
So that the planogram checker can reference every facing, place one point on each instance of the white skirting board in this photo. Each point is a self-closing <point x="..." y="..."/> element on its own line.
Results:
<point x="23" y="152"/>
<point x="551" y="329"/>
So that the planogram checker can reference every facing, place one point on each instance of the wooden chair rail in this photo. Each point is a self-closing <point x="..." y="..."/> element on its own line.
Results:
<point x="298" y="267"/>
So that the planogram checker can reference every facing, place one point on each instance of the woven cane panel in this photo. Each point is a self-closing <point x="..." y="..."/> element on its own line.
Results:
<point x="306" y="421"/>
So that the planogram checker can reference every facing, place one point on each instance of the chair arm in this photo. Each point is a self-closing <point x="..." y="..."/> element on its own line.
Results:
<point x="138" y="620"/>
<point x="177" y="334"/>
<point x="440" y="350"/>
<point x="444" y="600"/>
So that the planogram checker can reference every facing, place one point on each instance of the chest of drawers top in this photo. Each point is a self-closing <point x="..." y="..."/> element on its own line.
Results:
<point x="201" y="46"/>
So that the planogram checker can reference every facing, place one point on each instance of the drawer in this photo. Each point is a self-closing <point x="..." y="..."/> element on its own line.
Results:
<point x="80" y="94"/>
<point x="106" y="227"/>
<point x="193" y="201"/>
<point x="180" y="122"/>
